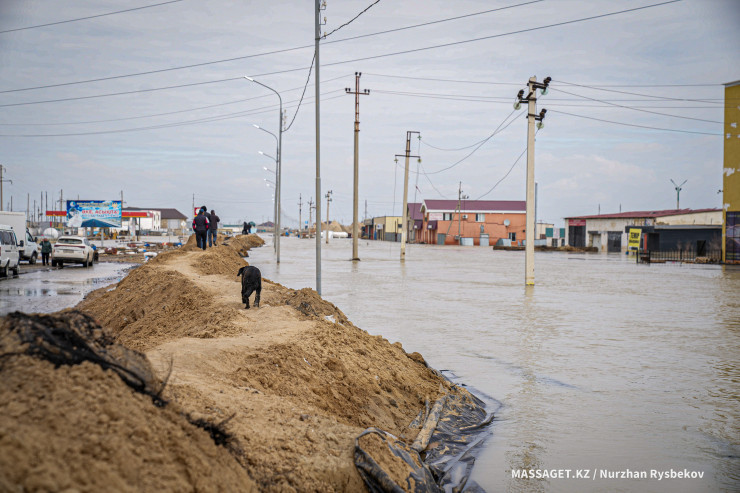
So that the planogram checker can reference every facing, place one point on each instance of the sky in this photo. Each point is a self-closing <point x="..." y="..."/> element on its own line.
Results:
<point x="152" y="103"/>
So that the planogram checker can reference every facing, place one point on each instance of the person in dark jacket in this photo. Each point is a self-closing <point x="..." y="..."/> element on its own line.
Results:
<point x="200" y="226"/>
<point x="213" y="227"/>
<point x="45" y="251"/>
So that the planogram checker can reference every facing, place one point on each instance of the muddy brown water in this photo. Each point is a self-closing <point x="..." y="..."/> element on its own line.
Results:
<point x="604" y="369"/>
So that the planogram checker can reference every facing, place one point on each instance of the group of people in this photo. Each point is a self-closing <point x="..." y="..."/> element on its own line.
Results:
<point x="205" y="225"/>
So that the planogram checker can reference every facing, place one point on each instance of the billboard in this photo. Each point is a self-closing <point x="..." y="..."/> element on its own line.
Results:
<point x="634" y="239"/>
<point x="94" y="213"/>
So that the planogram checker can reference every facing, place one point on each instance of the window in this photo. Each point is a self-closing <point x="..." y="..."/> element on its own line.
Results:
<point x="447" y="216"/>
<point x="480" y="218"/>
<point x="512" y="236"/>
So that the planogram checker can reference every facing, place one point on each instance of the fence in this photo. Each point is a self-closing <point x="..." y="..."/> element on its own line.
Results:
<point x="689" y="255"/>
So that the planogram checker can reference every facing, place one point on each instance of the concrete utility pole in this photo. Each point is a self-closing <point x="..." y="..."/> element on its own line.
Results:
<point x="300" y="207"/>
<point x="328" y="199"/>
<point x="310" y="216"/>
<point x="678" y="191"/>
<point x="404" y="225"/>
<point x="320" y="5"/>
<point x="355" y="202"/>
<point x="2" y="168"/>
<point x="531" y="100"/>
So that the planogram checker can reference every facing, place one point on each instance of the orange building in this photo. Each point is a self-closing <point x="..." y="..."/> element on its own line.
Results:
<point x="471" y="222"/>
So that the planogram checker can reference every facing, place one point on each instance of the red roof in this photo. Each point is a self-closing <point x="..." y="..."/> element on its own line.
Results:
<point x="637" y="214"/>
<point x="415" y="211"/>
<point x="475" y="205"/>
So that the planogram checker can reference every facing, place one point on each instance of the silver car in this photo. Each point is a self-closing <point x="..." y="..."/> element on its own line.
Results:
<point x="75" y="249"/>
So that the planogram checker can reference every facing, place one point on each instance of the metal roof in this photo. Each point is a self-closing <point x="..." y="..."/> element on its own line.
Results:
<point x="164" y="213"/>
<point x="475" y="205"/>
<point x="638" y="214"/>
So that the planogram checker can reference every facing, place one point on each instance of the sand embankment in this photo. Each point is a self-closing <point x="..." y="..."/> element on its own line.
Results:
<point x="293" y="381"/>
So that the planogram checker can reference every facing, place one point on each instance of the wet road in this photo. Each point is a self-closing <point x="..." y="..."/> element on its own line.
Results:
<point x="604" y="367"/>
<point x="46" y="290"/>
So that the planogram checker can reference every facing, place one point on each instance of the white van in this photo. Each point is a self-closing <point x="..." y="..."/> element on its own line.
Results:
<point x="9" y="256"/>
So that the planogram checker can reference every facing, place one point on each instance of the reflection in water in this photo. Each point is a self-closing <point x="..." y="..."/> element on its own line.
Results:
<point x="51" y="290"/>
<point x="604" y="364"/>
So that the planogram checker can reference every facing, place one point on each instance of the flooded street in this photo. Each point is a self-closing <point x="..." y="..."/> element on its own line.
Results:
<point x="49" y="290"/>
<point x="604" y="368"/>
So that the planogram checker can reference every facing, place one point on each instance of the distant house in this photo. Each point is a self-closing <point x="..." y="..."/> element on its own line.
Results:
<point x="662" y="230"/>
<point x="414" y="221"/>
<point x="160" y="220"/>
<point x="386" y="228"/>
<point x="450" y="222"/>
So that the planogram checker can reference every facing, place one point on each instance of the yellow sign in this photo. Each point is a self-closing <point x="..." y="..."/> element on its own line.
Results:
<point x="634" y="241"/>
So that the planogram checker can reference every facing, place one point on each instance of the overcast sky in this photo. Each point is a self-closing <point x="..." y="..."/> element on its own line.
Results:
<point x="636" y="100"/>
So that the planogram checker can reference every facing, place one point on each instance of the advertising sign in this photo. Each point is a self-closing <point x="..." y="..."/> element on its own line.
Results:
<point x="634" y="239"/>
<point x="94" y="213"/>
<point x="435" y="216"/>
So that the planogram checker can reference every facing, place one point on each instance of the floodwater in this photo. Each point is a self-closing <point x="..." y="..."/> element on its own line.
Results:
<point x="605" y="369"/>
<point x="50" y="290"/>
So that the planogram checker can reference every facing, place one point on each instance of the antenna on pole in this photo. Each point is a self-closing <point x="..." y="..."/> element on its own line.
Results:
<point x="678" y="191"/>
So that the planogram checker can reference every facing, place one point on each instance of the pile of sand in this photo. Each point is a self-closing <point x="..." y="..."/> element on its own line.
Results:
<point x="295" y="381"/>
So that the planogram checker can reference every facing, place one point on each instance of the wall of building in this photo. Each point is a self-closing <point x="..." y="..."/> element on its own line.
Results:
<point x="714" y="217"/>
<point x="493" y="226"/>
<point x="731" y="176"/>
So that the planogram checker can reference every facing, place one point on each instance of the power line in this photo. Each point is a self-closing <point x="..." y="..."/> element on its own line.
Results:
<point x="636" y="94"/>
<point x="454" y="43"/>
<point x="435" y="79"/>
<point x="210" y="119"/>
<point x="507" y="174"/>
<point x="122" y="93"/>
<point x="308" y="78"/>
<point x="638" y="109"/>
<point x="352" y="20"/>
<point x="498" y="130"/>
<point x="273" y="52"/>
<point x="88" y="17"/>
<point x="635" y="125"/>
<point x="166" y="113"/>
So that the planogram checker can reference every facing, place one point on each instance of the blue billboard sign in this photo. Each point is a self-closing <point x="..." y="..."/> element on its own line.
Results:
<point x="94" y="213"/>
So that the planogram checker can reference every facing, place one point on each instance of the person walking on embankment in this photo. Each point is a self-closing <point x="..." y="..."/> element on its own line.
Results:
<point x="200" y="226"/>
<point x="213" y="228"/>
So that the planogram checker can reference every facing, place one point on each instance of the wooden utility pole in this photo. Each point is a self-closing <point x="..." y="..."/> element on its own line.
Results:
<point x="328" y="199"/>
<point x="355" y="201"/>
<point x="404" y="224"/>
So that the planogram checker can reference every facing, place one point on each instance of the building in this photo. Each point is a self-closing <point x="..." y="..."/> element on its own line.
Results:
<point x="472" y="222"/>
<point x="663" y="230"/>
<point x="170" y="221"/>
<point x="731" y="177"/>
<point x="414" y="222"/>
<point x="387" y="228"/>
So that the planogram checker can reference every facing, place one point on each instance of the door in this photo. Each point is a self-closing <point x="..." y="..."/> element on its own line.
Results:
<point x="614" y="242"/>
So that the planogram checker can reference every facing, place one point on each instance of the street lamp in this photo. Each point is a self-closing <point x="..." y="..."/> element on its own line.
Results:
<point x="274" y="205"/>
<point x="278" y="162"/>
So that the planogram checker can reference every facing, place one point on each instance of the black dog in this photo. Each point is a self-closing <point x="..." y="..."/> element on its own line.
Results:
<point x="251" y="283"/>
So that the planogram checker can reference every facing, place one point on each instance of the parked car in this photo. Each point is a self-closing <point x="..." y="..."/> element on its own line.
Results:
<point x="10" y="257"/>
<point x="72" y="249"/>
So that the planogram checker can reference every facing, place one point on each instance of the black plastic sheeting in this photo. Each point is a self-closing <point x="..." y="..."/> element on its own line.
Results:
<point x="439" y="460"/>
<point x="73" y="337"/>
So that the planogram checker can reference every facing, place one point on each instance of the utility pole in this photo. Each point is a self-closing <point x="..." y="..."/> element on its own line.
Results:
<point x="310" y="216"/>
<point x="2" y="168"/>
<point x="678" y="191"/>
<point x="404" y="225"/>
<point x="320" y="5"/>
<point x="300" y="223"/>
<point x="355" y="202"/>
<point x="328" y="199"/>
<point x="459" y="214"/>
<point x="531" y="100"/>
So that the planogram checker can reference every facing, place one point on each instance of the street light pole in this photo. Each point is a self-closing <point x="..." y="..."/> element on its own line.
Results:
<point x="279" y="165"/>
